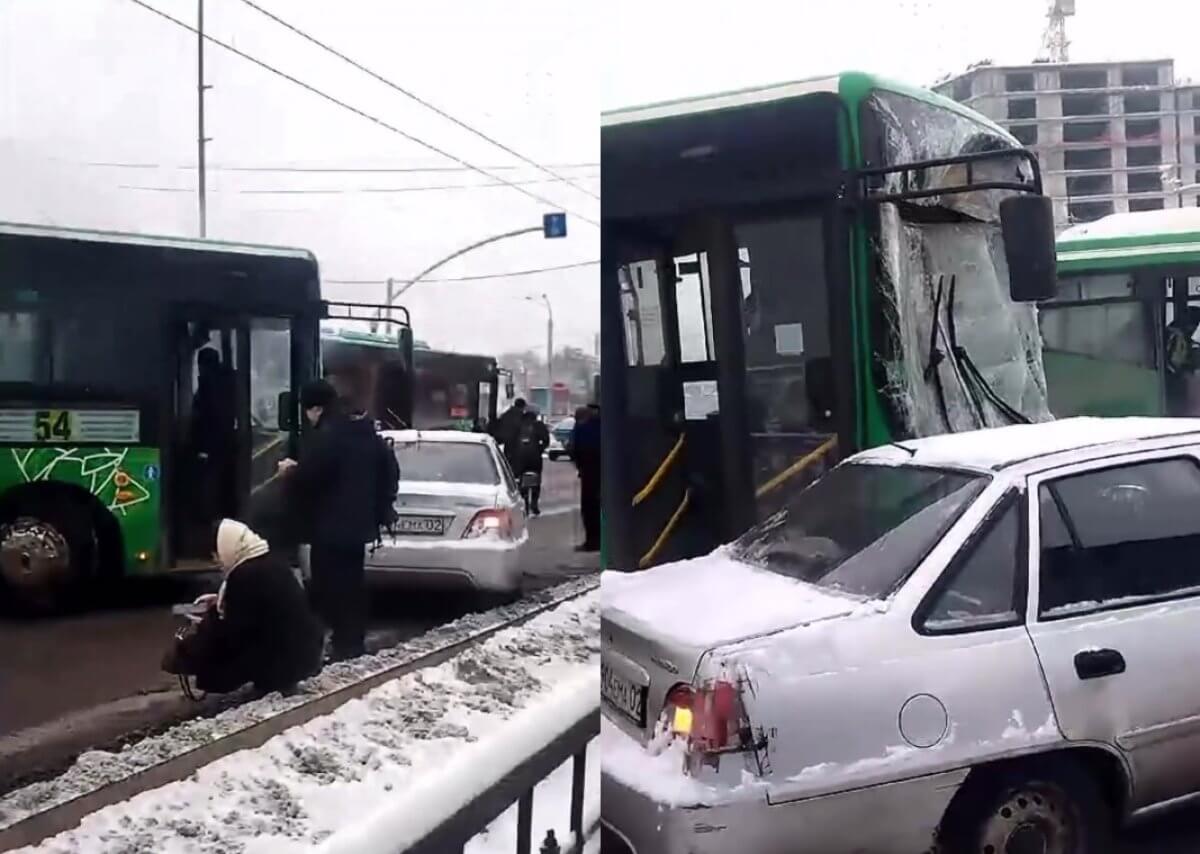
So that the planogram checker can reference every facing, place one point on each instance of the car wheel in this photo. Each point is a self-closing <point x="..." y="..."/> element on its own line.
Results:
<point x="1049" y="807"/>
<point x="553" y="456"/>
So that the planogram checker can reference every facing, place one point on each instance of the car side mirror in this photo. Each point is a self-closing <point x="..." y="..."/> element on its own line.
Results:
<point x="1027" y="222"/>
<point x="287" y="413"/>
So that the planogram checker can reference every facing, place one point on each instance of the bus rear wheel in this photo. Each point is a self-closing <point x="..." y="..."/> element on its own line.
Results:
<point x="47" y="553"/>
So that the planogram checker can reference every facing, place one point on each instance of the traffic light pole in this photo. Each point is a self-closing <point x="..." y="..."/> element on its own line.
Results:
<point x="553" y="226"/>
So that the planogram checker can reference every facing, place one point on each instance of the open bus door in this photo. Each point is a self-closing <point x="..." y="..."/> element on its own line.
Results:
<point x="715" y="396"/>
<point x="389" y="390"/>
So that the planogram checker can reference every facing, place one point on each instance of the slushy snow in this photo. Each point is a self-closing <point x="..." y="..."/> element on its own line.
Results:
<point x="303" y="785"/>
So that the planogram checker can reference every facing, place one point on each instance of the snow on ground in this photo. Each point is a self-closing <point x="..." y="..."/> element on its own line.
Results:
<point x="395" y="725"/>
<point x="412" y="814"/>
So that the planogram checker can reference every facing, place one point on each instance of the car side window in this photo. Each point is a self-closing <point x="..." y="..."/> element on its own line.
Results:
<point x="1119" y="536"/>
<point x="983" y="589"/>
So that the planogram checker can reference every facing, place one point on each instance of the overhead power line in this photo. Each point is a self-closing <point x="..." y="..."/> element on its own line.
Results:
<point x="335" y="191"/>
<point x="469" y="278"/>
<point x="424" y="103"/>
<point x="362" y="113"/>
<point x="382" y="170"/>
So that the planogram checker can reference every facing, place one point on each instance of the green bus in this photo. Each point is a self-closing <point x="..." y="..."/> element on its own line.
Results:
<point x="794" y="272"/>
<point x="1126" y="283"/>
<point x="411" y="385"/>
<point x="147" y="389"/>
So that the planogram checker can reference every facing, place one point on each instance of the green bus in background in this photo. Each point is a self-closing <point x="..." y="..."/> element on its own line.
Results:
<point x="792" y="273"/>
<point x="406" y="384"/>
<point x="147" y="389"/>
<point x="1119" y="336"/>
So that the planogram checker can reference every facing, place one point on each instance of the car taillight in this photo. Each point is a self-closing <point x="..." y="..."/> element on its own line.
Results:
<point x="494" y="524"/>
<point x="678" y="709"/>
<point x="708" y="716"/>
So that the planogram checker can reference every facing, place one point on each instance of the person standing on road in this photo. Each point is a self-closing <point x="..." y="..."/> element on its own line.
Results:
<point x="507" y="429"/>
<point x="532" y="440"/>
<point x="341" y="482"/>
<point x="585" y="449"/>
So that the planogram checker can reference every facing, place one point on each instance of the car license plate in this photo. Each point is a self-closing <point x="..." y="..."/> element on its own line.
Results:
<point x="430" y="526"/>
<point x="627" y="698"/>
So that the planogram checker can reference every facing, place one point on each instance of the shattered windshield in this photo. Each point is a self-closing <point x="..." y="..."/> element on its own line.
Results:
<point x="958" y="353"/>
<point x="861" y="529"/>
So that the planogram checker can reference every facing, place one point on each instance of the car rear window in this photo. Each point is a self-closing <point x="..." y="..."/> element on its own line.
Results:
<point x="861" y="529"/>
<point x="450" y="462"/>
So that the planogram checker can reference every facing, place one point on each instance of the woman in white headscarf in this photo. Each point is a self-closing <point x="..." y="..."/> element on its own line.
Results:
<point x="265" y="632"/>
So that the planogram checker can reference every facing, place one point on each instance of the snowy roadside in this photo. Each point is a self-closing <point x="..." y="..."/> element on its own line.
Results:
<point x="301" y="786"/>
<point x="97" y="768"/>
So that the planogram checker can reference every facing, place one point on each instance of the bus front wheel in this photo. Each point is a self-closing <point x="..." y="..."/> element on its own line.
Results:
<point x="46" y="554"/>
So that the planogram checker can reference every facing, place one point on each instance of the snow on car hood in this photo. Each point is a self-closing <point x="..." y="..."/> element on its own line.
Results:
<point x="711" y="600"/>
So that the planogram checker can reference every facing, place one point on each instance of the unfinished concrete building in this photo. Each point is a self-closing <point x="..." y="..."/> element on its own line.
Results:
<point x="1111" y="137"/>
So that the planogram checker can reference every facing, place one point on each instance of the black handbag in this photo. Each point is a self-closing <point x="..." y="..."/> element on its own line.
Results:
<point x="194" y="652"/>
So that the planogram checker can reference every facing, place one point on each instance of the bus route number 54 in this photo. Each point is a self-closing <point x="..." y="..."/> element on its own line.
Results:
<point x="52" y="424"/>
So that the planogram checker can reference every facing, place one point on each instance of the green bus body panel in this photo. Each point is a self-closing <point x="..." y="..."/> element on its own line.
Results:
<point x="1074" y="390"/>
<point x="136" y="505"/>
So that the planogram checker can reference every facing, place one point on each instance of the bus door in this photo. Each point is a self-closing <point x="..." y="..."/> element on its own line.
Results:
<point x="232" y="374"/>
<point x="202" y="477"/>
<point x="729" y="380"/>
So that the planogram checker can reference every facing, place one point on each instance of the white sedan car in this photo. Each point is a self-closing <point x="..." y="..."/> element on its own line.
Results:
<point x="982" y="642"/>
<point x="460" y="522"/>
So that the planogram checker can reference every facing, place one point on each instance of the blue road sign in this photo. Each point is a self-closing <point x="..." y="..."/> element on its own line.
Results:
<point x="554" y="224"/>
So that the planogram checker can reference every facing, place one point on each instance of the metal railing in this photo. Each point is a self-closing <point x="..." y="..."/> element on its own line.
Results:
<point x="442" y="813"/>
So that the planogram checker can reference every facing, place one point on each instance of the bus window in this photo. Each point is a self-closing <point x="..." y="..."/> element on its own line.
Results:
<point x="785" y="319"/>
<point x="18" y="347"/>
<point x="642" y="307"/>
<point x="693" y="306"/>
<point x="270" y="375"/>
<point x="485" y="404"/>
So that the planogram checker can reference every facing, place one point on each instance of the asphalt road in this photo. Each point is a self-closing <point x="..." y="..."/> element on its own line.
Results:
<point x="62" y="669"/>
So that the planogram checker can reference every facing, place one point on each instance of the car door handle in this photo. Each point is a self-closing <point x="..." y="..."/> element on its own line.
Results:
<point x="1095" y="663"/>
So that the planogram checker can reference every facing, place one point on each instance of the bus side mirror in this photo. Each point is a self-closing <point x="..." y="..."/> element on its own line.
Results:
<point x="1027" y="222"/>
<point x="510" y="390"/>
<point x="287" y="412"/>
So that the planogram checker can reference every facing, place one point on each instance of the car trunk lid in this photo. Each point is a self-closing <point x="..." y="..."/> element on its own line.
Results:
<point x="657" y="624"/>
<point x="428" y="510"/>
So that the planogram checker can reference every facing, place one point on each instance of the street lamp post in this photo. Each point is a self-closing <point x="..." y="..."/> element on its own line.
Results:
<point x="545" y="301"/>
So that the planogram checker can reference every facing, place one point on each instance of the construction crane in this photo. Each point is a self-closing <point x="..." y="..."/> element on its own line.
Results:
<point x="1054" y="41"/>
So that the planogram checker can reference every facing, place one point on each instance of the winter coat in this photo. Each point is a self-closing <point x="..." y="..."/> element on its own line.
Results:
<point x="585" y="446"/>
<point x="266" y="633"/>
<point x="506" y="430"/>
<point x="533" y="438"/>
<point x="334" y="484"/>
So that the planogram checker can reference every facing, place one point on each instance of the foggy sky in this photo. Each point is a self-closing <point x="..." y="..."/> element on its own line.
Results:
<point x="689" y="47"/>
<point x="103" y="81"/>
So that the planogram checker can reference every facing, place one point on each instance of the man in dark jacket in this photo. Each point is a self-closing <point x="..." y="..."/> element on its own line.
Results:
<point x="336" y="483"/>
<point x="533" y="437"/>
<point x="507" y="429"/>
<point x="585" y="450"/>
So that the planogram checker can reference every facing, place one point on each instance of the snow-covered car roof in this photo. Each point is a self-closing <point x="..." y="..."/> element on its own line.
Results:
<point x="461" y="436"/>
<point x="999" y="447"/>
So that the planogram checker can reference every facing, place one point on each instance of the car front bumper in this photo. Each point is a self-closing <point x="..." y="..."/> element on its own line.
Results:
<point x="895" y="818"/>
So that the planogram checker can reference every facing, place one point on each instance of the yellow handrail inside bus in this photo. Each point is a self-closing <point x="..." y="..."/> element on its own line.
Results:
<point x="666" y="531"/>
<point x="658" y="475"/>
<point x="796" y="467"/>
